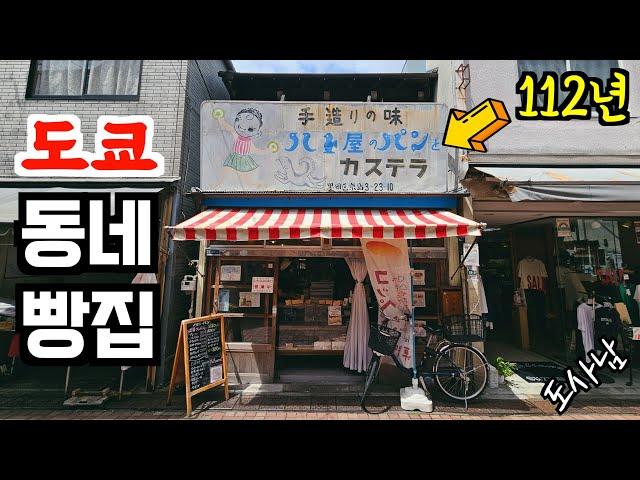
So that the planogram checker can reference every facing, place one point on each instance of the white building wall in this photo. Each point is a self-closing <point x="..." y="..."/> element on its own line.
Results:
<point x="562" y="142"/>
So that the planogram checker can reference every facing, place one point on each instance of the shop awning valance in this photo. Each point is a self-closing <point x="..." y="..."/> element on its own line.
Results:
<point x="242" y="224"/>
<point x="585" y="184"/>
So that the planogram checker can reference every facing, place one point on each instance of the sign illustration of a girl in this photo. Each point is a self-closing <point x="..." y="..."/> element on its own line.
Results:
<point x="246" y="126"/>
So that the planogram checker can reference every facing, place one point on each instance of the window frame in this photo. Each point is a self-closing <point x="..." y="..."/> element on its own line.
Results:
<point x="568" y="68"/>
<point x="31" y="95"/>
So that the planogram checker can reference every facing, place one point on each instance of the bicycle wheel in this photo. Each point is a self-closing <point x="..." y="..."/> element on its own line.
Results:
<point x="461" y="372"/>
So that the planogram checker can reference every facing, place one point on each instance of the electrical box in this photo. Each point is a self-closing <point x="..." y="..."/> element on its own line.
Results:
<point x="188" y="283"/>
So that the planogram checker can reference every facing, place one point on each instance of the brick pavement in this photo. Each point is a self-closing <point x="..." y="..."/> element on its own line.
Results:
<point x="211" y="406"/>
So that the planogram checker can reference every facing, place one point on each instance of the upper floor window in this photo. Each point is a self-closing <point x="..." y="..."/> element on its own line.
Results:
<point x="91" y="79"/>
<point x="593" y="68"/>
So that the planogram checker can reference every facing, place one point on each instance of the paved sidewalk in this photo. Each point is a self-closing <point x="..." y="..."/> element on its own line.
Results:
<point x="303" y="406"/>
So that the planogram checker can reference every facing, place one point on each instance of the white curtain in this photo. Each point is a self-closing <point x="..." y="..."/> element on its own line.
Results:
<point x="356" y="351"/>
<point x="59" y="77"/>
<point x="106" y="77"/>
<point x="113" y="77"/>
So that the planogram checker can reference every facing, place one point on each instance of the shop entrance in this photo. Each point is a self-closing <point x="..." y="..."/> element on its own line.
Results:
<point x="314" y="309"/>
<point x="497" y="275"/>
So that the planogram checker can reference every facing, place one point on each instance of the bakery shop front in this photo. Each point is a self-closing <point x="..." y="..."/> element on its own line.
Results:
<point x="291" y="193"/>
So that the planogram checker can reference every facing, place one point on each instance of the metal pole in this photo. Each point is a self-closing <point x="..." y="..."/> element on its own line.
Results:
<point x="121" y="384"/>
<point x="66" y="382"/>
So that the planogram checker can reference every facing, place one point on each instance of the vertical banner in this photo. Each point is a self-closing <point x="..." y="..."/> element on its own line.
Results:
<point x="390" y="274"/>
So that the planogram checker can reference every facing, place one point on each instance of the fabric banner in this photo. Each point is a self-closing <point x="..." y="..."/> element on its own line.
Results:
<point x="390" y="274"/>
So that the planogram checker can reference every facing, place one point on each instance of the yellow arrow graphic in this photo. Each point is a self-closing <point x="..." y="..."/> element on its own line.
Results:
<point x="470" y="129"/>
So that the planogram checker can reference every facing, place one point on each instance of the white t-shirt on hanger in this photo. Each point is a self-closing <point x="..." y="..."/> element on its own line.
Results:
<point x="585" y="316"/>
<point x="531" y="272"/>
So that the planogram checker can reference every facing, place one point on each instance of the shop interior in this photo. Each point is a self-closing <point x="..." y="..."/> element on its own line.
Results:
<point x="540" y="276"/>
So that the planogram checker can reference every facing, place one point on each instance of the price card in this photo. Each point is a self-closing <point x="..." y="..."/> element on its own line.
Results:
<point x="262" y="284"/>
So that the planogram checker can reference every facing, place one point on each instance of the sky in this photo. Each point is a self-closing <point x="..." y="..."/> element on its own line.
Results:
<point x="318" y="66"/>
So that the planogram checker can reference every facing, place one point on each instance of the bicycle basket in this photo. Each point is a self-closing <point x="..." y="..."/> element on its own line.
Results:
<point x="462" y="329"/>
<point x="383" y="340"/>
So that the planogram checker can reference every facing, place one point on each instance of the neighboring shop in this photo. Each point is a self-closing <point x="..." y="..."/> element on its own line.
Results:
<point x="288" y="188"/>
<point x="553" y="248"/>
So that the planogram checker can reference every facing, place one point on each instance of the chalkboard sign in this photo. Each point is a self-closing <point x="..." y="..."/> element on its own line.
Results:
<point x="200" y="358"/>
<point x="205" y="353"/>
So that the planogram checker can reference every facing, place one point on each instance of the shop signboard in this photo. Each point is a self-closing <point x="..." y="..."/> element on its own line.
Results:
<point x="360" y="147"/>
<point x="563" y="227"/>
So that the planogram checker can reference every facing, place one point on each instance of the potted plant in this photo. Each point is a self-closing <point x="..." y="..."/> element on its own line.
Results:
<point x="505" y="369"/>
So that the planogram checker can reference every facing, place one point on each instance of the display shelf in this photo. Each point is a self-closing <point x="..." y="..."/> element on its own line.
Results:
<point x="235" y="285"/>
<point x="244" y="315"/>
<point x="307" y="326"/>
<point x="308" y="351"/>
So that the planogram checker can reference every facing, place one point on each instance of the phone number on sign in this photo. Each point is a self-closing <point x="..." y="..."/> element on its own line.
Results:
<point x="361" y="187"/>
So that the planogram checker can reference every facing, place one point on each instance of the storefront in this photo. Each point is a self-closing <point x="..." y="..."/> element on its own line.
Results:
<point x="283" y="214"/>
<point x="558" y="239"/>
<point x="289" y="297"/>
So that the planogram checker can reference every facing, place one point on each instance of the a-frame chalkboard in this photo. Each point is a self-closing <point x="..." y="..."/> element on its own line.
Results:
<point x="200" y="358"/>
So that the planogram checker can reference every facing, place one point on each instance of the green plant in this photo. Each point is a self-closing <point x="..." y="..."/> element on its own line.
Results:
<point x="506" y="369"/>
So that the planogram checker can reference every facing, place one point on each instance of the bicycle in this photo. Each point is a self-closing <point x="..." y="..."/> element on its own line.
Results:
<point x="460" y="370"/>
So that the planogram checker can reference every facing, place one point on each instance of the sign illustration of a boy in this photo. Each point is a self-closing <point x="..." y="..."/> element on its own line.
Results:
<point x="246" y="126"/>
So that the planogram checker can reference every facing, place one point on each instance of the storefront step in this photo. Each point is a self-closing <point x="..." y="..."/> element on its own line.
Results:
<point x="306" y="388"/>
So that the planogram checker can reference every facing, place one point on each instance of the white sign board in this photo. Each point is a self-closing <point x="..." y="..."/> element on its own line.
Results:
<point x="323" y="147"/>
<point x="230" y="273"/>
<point x="473" y="259"/>
<point x="418" y="277"/>
<point x="262" y="284"/>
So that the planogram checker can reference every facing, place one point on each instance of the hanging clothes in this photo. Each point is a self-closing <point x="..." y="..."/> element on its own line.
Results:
<point x="585" y="325"/>
<point x="356" y="350"/>
<point x="627" y="298"/>
<point x="532" y="273"/>
<point x="607" y="322"/>
<point x="536" y="310"/>
<point x="477" y="298"/>
<point x="621" y="308"/>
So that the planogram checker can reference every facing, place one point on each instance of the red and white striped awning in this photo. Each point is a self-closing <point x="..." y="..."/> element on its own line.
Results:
<point x="242" y="224"/>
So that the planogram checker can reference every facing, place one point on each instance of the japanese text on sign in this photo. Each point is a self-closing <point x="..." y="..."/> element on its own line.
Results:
<point x="277" y="146"/>
<point x="262" y="284"/>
